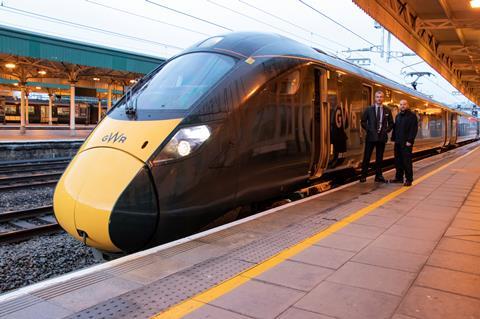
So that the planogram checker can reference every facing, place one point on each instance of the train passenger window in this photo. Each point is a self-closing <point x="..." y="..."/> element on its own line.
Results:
<point x="10" y="110"/>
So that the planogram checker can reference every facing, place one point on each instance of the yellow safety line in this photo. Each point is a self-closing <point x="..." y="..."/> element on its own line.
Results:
<point x="183" y="308"/>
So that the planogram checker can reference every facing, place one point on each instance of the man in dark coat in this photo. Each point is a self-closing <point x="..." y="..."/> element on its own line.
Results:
<point x="404" y="133"/>
<point x="378" y="122"/>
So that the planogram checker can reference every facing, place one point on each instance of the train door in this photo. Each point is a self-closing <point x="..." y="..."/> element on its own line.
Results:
<point x="447" y="130"/>
<point x="367" y="100"/>
<point x="321" y="124"/>
<point x="453" y="126"/>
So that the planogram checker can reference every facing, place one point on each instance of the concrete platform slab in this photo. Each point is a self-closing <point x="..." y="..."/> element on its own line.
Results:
<point x="212" y="312"/>
<point x="393" y="259"/>
<point x="429" y="303"/>
<point x="324" y="256"/>
<point x="450" y="281"/>
<point x="296" y="275"/>
<point x="344" y="242"/>
<point x="386" y="280"/>
<point x="259" y="300"/>
<point x="455" y="261"/>
<point x="459" y="246"/>
<point x="295" y="313"/>
<point x="342" y="301"/>
<point x="43" y="310"/>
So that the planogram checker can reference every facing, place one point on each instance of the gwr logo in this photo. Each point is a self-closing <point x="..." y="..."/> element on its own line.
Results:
<point x="114" y="138"/>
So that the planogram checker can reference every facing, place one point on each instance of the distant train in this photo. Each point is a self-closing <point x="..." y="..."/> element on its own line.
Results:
<point x="232" y="120"/>
<point x="86" y="113"/>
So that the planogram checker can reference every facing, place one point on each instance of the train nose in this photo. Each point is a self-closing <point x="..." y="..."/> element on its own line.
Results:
<point x="106" y="197"/>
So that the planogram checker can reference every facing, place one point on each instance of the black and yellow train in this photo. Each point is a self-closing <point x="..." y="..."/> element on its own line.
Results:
<point x="232" y="120"/>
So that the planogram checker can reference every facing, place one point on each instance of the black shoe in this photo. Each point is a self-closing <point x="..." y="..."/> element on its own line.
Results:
<point x="408" y="183"/>
<point x="396" y="181"/>
<point x="380" y="179"/>
<point x="363" y="179"/>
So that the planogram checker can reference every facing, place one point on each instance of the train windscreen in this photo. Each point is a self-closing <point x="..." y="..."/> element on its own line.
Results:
<point x="181" y="82"/>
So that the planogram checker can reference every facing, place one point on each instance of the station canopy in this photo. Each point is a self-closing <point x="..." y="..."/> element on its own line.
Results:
<point x="445" y="33"/>
<point x="50" y="64"/>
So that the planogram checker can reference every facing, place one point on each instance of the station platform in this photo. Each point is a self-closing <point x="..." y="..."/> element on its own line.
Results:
<point x="358" y="251"/>
<point x="11" y="133"/>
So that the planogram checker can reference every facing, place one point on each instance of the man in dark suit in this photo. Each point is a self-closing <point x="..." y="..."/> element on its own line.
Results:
<point x="378" y="122"/>
<point x="404" y="133"/>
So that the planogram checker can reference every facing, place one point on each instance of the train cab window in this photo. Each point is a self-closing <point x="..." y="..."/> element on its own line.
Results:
<point x="181" y="82"/>
<point x="286" y="85"/>
<point x="289" y="84"/>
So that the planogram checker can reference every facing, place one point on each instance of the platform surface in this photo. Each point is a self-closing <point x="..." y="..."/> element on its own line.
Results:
<point x="37" y="133"/>
<point x="359" y="251"/>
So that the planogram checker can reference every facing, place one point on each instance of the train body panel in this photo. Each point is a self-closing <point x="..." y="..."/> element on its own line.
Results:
<point x="467" y="128"/>
<point x="139" y="139"/>
<point x="95" y="197"/>
<point x="232" y="120"/>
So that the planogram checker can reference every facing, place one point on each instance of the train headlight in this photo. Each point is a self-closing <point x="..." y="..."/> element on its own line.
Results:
<point x="184" y="148"/>
<point x="186" y="141"/>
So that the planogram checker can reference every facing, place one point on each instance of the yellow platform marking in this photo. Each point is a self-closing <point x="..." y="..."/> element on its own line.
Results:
<point x="183" y="308"/>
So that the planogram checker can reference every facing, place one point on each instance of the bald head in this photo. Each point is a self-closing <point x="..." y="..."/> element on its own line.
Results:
<point x="403" y="105"/>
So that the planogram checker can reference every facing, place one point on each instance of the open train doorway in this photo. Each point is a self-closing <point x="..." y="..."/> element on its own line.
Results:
<point x="320" y="128"/>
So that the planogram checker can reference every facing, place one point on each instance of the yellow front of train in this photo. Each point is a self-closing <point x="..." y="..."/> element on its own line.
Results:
<point x="107" y="196"/>
<point x="109" y="167"/>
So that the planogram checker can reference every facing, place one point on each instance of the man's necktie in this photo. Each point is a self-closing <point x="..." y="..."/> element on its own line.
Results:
<point x="378" y="118"/>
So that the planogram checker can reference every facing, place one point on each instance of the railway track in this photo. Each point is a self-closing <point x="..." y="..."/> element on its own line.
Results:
<point x="24" y="224"/>
<point x="19" y="174"/>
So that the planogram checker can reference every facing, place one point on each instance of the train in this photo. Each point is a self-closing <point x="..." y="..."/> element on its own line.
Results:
<point x="232" y="120"/>
<point x="85" y="113"/>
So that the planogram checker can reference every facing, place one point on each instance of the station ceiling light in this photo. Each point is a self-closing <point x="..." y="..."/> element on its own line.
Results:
<point x="96" y="79"/>
<point x="10" y="65"/>
<point x="15" y="84"/>
<point x="133" y="81"/>
<point x="42" y="72"/>
<point x="38" y="87"/>
<point x="475" y="4"/>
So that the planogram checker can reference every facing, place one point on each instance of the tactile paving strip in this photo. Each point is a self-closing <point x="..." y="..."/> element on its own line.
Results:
<point x="146" y="301"/>
<point x="219" y="235"/>
<point x="189" y="245"/>
<point x="131" y="265"/>
<point x="51" y="292"/>
<point x="71" y="285"/>
<point x="18" y="304"/>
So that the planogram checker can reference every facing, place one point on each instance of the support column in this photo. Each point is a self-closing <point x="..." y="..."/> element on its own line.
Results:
<point x="72" y="108"/>
<point x="50" y="105"/>
<point x="22" y="108"/>
<point x="99" y="109"/>
<point x="109" y="97"/>
<point x="27" y="109"/>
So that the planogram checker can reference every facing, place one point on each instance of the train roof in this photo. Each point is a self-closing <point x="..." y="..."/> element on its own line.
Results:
<point x="259" y="44"/>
